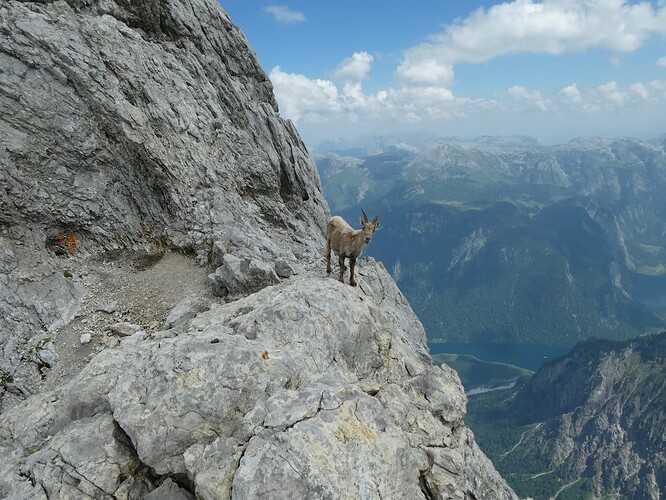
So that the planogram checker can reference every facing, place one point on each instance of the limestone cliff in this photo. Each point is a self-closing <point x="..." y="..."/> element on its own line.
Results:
<point x="132" y="132"/>
<point x="135" y="125"/>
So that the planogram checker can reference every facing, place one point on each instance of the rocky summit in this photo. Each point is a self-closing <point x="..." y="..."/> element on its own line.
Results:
<point x="168" y="330"/>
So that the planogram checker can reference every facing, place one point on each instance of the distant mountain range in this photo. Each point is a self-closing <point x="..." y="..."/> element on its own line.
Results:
<point x="589" y="425"/>
<point x="504" y="240"/>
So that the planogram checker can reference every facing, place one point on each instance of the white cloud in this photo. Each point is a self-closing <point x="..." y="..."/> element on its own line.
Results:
<point x="306" y="100"/>
<point x="654" y="90"/>
<point x="661" y="61"/>
<point x="355" y="68"/>
<point x="611" y="96"/>
<point x="640" y="89"/>
<point x="284" y="14"/>
<point x="571" y="94"/>
<point x="525" y="26"/>
<point x="612" y="93"/>
<point x="421" y="69"/>
<point x="313" y="103"/>
<point x="299" y="96"/>
<point x="530" y="97"/>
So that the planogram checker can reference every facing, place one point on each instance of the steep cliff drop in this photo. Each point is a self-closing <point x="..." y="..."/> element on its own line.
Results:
<point x="141" y="148"/>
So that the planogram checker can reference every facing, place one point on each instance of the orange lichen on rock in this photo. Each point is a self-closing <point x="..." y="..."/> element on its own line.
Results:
<point x="69" y="241"/>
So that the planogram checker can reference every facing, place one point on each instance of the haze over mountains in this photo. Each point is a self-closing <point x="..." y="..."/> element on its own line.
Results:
<point x="502" y="240"/>
<point x="505" y="240"/>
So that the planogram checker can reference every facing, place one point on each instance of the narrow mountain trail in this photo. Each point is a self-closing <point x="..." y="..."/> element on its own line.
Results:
<point x="522" y="436"/>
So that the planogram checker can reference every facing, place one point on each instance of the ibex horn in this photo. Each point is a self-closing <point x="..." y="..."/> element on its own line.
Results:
<point x="374" y="221"/>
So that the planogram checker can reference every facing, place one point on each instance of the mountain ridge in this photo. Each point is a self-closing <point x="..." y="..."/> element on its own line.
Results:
<point x="448" y="207"/>
<point x="594" y="416"/>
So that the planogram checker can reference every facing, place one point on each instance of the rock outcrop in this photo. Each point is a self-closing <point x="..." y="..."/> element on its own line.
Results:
<point x="309" y="389"/>
<point x="134" y="132"/>
<point x="138" y="125"/>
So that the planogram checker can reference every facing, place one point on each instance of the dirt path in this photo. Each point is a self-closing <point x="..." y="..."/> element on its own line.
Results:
<point x="521" y="439"/>
<point x="137" y="288"/>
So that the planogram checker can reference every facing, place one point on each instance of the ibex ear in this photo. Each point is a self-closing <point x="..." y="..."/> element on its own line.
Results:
<point x="360" y="221"/>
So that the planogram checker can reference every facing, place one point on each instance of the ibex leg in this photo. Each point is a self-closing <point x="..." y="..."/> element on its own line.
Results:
<point x="328" y="255"/>
<point x="352" y="266"/>
<point x="341" y="260"/>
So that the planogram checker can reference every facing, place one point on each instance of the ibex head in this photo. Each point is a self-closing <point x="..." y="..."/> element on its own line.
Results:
<point x="368" y="228"/>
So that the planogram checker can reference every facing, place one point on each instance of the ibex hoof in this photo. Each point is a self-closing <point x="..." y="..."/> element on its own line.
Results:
<point x="353" y="284"/>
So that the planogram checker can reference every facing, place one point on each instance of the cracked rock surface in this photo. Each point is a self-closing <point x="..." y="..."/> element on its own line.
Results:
<point x="138" y="125"/>
<point x="309" y="388"/>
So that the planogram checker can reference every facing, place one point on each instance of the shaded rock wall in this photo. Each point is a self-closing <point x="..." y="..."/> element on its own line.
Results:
<point x="138" y="125"/>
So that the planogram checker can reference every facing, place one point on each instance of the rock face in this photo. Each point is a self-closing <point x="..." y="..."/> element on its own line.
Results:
<point x="147" y="128"/>
<point x="138" y="125"/>
<point x="309" y="388"/>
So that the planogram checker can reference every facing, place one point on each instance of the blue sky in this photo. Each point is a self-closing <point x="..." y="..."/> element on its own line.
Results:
<point x="552" y="69"/>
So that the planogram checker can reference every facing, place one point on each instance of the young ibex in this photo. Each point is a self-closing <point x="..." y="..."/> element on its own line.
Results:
<point x="348" y="242"/>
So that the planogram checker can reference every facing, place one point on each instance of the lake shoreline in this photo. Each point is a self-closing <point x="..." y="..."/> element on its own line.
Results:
<point x="528" y="356"/>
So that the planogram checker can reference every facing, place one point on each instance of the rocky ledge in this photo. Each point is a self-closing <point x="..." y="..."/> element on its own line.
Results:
<point x="306" y="389"/>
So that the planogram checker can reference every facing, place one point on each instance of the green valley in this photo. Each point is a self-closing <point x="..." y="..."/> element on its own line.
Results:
<point x="503" y="240"/>
<point x="588" y="425"/>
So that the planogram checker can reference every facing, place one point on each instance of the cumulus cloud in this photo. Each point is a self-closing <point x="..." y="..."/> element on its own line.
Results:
<point x="611" y="96"/>
<point x="355" y="68"/>
<point x="316" y="101"/>
<point x="525" y="26"/>
<point x="529" y="97"/>
<point x="612" y="93"/>
<point x="422" y="67"/>
<point x="301" y="97"/>
<point x="284" y="14"/>
<point x="307" y="100"/>
<point x="571" y="94"/>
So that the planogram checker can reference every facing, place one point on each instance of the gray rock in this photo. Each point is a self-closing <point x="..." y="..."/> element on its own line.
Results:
<point x="311" y="385"/>
<point x="157" y="144"/>
<point x="124" y="329"/>
<point x="46" y="353"/>
<point x="109" y="308"/>
<point x="84" y="460"/>
<point x="169" y="490"/>
<point x="285" y="268"/>
<point x="185" y="310"/>
<point x="85" y="338"/>
<point x="241" y="276"/>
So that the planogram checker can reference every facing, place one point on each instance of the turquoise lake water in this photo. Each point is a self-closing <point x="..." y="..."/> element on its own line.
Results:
<point x="530" y="356"/>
